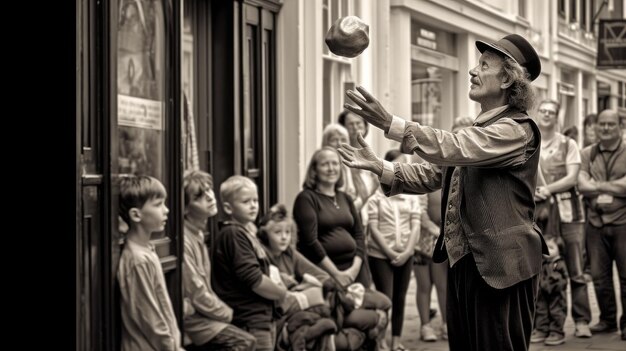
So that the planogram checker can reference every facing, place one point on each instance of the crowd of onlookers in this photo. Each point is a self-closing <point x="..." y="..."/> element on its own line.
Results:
<point x="581" y="209"/>
<point x="335" y="272"/>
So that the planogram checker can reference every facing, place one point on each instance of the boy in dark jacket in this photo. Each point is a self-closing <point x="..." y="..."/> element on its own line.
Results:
<point x="552" y="301"/>
<point x="241" y="268"/>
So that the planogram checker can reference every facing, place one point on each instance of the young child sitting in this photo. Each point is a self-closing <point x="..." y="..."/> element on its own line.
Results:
<point x="148" y="321"/>
<point x="306" y="314"/>
<point x="241" y="266"/>
<point x="551" y="307"/>
<point x="208" y="326"/>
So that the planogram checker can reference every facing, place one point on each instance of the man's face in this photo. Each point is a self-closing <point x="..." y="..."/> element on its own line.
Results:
<point x="607" y="128"/>
<point x="487" y="85"/>
<point x="547" y="117"/>
<point x="354" y="125"/>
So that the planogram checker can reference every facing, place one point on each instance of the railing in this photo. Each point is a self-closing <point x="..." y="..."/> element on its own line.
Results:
<point x="574" y="32"/>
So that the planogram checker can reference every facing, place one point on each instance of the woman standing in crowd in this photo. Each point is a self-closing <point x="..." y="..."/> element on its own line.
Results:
<point x="394" y="224"/>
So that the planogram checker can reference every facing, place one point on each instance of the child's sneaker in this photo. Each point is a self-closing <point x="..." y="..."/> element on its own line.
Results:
<point x="428" y="333"/>
<point x="538" y="336"/>
<point x="554" y="339"/>
<point x="582" y="330"/>
<point x="444" y="331"/>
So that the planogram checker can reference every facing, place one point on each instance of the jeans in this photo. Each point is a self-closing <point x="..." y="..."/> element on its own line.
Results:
<point x="606" y="245"/>
<point x="550" y="311"/>
<point x="573" y="235"/>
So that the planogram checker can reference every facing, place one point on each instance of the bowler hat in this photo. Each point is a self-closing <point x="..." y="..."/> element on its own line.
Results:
<point x="517" y="48"/>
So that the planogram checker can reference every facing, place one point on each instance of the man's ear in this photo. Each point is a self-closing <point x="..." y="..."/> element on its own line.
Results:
<point x="506" y="83"/>
<point x="135" y="214"/>
<point x="227" y="208"/>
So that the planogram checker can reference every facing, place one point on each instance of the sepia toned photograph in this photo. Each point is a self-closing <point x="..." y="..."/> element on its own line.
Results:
<point x="350" y="175"/>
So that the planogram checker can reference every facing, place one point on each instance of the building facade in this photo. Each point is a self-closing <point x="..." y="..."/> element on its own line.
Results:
<point x="247" y="87"/>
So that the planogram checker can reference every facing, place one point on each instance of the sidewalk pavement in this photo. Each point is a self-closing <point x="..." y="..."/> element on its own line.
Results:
<point x="411" y="330"/>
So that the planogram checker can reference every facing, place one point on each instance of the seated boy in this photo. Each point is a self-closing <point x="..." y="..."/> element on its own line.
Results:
<point x="208" y="326"/>
<point x="148" y="321"/>
<point x="241" y="272"/>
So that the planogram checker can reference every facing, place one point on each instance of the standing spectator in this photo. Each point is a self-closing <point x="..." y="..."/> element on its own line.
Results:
<point x="365" y="183"/>
<point x="552" y="301"/>
<point x="559" y="165"/>
<point x="603" y="183"/>
<point x="334" y="135"/>
<point x="394" y="223"/>
<point x="589" y="129"/>
<point x="148" y="321"/>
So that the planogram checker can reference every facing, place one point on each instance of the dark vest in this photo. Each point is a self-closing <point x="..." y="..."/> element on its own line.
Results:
<point x="497" y="216"/>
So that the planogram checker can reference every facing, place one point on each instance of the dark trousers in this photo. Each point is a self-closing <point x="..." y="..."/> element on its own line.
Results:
<point x="482" y="318"/>
<point x="573" y="235"/>
<point x="551" y="311"/>
<point x="606" y="245"/>
<point x="394" y="282"/>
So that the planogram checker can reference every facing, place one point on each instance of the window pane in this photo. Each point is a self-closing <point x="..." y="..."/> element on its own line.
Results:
<point x="141" y="117"/>
<point x="140" y="84"/>
<point x="251" y="117"/>
<point x="430" y="87"/>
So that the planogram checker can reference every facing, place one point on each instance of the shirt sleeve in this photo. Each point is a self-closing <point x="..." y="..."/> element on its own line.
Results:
<point x="203" y="301"/>
<point x="243" y="258"/>
<point x="412" y="178"/>
<point x="302" y="266"/>
<point x="372" y="210"/>
<point x="501" y="144"/>
<point x="305" y="216"/>
<point x="573" y="153"/>
<point x="416" y="209"/>
<point x="146" y="308"/>
<point x="585" y="158"/>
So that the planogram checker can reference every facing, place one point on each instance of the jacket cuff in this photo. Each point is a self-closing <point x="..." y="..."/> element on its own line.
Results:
<point x="396" y="129"/>
<point x="388" y="173"/>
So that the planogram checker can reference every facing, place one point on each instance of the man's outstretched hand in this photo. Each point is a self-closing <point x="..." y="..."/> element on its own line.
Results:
<point x="363" y="158"/>
<point x="370" y="109"/>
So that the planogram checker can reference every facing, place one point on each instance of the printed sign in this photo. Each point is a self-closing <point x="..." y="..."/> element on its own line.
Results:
<point x="612" y="44"/>
<point x="140" y="113"/>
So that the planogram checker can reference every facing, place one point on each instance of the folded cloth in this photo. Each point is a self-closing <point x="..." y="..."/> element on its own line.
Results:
<point x="356" y="292"/>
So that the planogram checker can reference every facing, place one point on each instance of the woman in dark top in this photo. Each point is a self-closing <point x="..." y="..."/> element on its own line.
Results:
<point x="330" y="233"/>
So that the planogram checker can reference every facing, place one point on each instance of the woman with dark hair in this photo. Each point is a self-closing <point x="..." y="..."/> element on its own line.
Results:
<point x="364" y="184"/>
<point x="589" y="129"/>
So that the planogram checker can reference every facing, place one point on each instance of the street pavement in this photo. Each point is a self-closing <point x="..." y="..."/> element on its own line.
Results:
<point x="411" y="331"/>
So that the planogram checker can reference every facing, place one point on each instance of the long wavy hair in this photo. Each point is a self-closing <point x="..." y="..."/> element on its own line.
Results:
<point x="520" y="94"/>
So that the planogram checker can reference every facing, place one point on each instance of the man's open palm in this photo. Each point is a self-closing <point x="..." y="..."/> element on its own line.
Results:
<point x="361" y="158"/>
